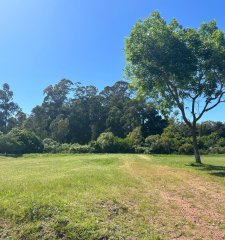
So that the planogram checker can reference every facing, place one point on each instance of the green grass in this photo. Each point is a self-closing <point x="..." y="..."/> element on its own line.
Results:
<point x="111" y="196"/>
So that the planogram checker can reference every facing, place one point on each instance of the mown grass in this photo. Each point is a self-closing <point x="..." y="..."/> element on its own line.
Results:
<point x="108" y="196"/>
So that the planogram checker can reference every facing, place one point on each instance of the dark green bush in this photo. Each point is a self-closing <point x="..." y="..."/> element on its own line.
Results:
<point x="146" y="150"/>
<point x="77" y="148"/>
<point x="216" y="150"/>
<point x="51" y="146"/>
<point x="20" y="141"/>
<point x="159" y="144"/>
<point x="186" y="148"/>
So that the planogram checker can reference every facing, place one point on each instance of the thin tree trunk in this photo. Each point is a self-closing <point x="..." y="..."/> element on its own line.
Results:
<point x="195" y="145"/>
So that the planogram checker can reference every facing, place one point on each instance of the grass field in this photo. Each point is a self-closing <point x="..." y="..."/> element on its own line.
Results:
<point x="114" y="196"/>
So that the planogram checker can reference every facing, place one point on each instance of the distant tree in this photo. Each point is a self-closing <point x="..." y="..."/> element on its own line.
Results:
<point x="179" y="67"/>
<point x="85" y="114"/>
<point x="208" y="127"/>
<point x="116" y="101"/>
<point x="123" y="112"/>
<point x="56" y="97"/>
<point x="59" y="128"/>
<point x="54" y="104"/>
<point x="38" y="122"/>
<point x="17" y="120"/>
<point x="7" y="107"/>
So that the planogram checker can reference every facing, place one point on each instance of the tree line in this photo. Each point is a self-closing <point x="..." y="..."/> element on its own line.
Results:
<point x="80" y="119"/>
<point x="73" y="113"/>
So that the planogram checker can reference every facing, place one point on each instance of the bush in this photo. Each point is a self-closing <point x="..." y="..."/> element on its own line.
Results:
<point x="216" y="150"/>
<point x="186" y="148"/>
<point x="77" y="148"/>
<point x="146" y="150"/>
<point x="107" y="142"/>
<point x="20" y="141"/>
<point x="51" y="146"/>
<point x="27" y="142"/>
<point x="159" y="144"/>
<point x="205" y="142"/>
<point x="64" y="148"/>
<point x="9" y="145"/>
<point x="135" y="137"/>
<point x="123" y="145"/>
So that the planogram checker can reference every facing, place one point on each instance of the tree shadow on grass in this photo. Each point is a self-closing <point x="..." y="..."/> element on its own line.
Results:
<point x="218" y="171"/>
<point x="11" y="155"/>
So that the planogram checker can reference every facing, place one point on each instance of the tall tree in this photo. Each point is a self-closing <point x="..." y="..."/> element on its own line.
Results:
<point x="56" y="96"/>
<point x="85" y="114"/>
<point x="7" y="107"/>
<point x="179" y="67"/>
<point x="46" y="118"/>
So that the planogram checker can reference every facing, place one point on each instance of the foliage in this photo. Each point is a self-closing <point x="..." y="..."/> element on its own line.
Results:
<point x="19" y="141"/>
<point x="181" y="68"/>
<point x="83" y="113"/>
<point x="51" y="146"/>
<point x="77" y="148"/>
<point x="186" y="148"/>
<point x="135" y="137"/>
<point x="106" y="142"/>
<point x="8" y="109"/>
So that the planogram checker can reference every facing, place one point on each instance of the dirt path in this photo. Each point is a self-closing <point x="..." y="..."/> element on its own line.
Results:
<point x="187" y="206"/>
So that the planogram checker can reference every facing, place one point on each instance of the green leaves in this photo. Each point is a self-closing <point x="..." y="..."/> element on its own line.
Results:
<point x="177" y="65"/>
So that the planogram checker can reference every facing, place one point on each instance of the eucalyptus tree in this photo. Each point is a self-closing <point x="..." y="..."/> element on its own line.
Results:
<point x="8" y="108"/>
<point x="181" y="68"/>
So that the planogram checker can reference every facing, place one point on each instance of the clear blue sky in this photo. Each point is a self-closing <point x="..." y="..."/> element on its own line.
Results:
<point x="43" y="41"/>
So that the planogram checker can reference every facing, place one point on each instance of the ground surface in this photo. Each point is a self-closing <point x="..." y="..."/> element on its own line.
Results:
<point x="106" y="197"/>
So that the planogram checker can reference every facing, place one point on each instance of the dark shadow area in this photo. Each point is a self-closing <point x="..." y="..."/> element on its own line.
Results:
<point x="218" y="171"/>
<point x="218" y="174"/>
<point x="11" y="155"/>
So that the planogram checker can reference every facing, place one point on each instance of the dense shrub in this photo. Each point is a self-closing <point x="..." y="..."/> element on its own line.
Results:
<point x="205" y="142"/>
<point x="123" y="145"/>
<point x="106" y="142"/>
<point x="186" y="148"/>
<point x="159" y="144"/>
<point x="77" y="148"/>
<point x="135" y="137"/>
<point x="9" y="145"/>
<point x="19" y="141"/>
<point x="51" y="146"/>
<point x="64" y="148"/>
<point x="142" y="150"/>
<point x="216" y="150"/>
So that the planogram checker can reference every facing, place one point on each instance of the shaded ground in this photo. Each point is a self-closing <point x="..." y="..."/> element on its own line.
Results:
<point x="112" y="197"/>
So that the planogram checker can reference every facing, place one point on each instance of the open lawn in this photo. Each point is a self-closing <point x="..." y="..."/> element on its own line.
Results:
<point x="112" y="196"/>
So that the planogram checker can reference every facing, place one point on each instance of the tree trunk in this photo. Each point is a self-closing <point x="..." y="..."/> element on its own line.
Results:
<point x="195" y="145"/>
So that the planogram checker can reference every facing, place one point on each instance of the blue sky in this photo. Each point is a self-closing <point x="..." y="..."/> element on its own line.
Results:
<point x="43" y="41"/>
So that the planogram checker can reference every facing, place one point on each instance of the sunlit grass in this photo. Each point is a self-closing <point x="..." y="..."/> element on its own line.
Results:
<point x="97" y="196"/>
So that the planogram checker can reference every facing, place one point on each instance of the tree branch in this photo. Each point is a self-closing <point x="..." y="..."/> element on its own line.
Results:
<point x="205" y="109"/>
<point x="173" y="90"/>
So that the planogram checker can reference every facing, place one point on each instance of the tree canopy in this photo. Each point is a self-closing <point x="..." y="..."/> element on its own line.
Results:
<point x="9" y="110"/>
<point x="181" y="68"/>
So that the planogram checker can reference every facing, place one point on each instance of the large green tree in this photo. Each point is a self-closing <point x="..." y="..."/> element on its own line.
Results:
<point x="8" y="108"/>
<point x="181" y="68"/>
